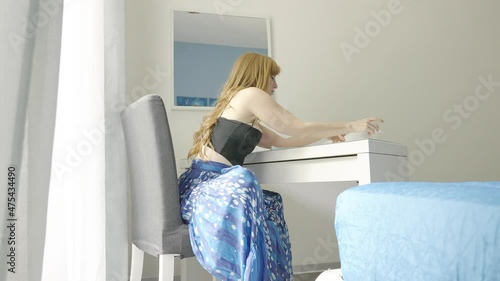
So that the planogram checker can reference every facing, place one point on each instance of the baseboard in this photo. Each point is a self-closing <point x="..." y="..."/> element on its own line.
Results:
<point x="176" y="278"/>
<point x="297" y="270"/>
<point x="317" y="267"/>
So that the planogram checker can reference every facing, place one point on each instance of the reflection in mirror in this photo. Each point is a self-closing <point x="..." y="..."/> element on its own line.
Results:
<point x="205" y="48"/>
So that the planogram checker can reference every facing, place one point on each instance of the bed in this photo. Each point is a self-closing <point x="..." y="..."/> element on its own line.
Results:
<point x="412" y="231"/>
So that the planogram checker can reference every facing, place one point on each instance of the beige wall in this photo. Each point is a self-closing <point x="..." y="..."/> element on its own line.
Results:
<point x="419" y="71"/>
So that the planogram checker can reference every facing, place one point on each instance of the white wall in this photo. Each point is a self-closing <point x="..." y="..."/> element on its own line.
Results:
<point x="423" y="65"/>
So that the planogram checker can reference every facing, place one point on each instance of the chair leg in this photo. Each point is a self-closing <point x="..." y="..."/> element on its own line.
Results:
<point x="167" y="267"/>
<point x="136" y="264"/>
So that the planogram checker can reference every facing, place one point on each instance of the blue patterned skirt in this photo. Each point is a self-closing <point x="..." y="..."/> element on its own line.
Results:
<point x="237" y="230"/>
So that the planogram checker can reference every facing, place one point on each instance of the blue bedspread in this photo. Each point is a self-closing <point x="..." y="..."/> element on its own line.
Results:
<point x="412" y="231"/>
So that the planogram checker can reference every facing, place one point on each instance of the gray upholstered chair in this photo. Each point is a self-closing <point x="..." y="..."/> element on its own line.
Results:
<point x="157" y="227"/>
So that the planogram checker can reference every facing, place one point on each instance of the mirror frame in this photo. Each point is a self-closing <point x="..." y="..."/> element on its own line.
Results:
<point x="170" y="56"/>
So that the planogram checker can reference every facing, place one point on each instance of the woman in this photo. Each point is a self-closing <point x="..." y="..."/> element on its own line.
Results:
<point x="237" y="230"/>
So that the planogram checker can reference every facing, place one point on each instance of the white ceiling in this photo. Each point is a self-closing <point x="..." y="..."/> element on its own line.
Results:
<point x="220" y="30"/>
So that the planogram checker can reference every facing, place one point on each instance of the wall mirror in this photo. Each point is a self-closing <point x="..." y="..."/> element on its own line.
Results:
<point x="205" y="48"/>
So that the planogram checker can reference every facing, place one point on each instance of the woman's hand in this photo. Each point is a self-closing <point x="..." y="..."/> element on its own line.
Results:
<point x="368" y="125"/>
<point x="339" y="138"/>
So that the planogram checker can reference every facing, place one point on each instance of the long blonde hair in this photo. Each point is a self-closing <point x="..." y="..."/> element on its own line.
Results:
<point x="249" y="70"/>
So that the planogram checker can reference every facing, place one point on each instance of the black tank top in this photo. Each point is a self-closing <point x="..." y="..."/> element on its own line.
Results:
<point x="234" y="140"/>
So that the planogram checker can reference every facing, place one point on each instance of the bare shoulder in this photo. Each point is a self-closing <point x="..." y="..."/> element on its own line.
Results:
<point x="242" y="103"/>
<point x="247" y="96"/>
<point x="251" y="92"/>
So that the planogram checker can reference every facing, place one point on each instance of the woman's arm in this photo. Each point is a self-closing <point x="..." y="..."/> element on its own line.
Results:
<point x="269" y="112"/>
<point x="270" y="139"/>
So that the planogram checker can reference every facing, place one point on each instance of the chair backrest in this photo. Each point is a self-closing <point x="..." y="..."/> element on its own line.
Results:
<point x="157" y="227"/>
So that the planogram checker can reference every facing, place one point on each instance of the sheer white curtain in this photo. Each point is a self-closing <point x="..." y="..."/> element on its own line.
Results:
<point x="87" y="217"/>
<point x="116" y="180"/>
<point x="84" y="162"/>
<point x="75" y="243"/>
<point x="29" y="56"/>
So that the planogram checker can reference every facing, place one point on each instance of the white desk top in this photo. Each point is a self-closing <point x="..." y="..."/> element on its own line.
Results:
<point x="332" y="150"/>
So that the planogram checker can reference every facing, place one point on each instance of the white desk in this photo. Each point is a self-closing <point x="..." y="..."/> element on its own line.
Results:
<point x="363" y="161"/>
